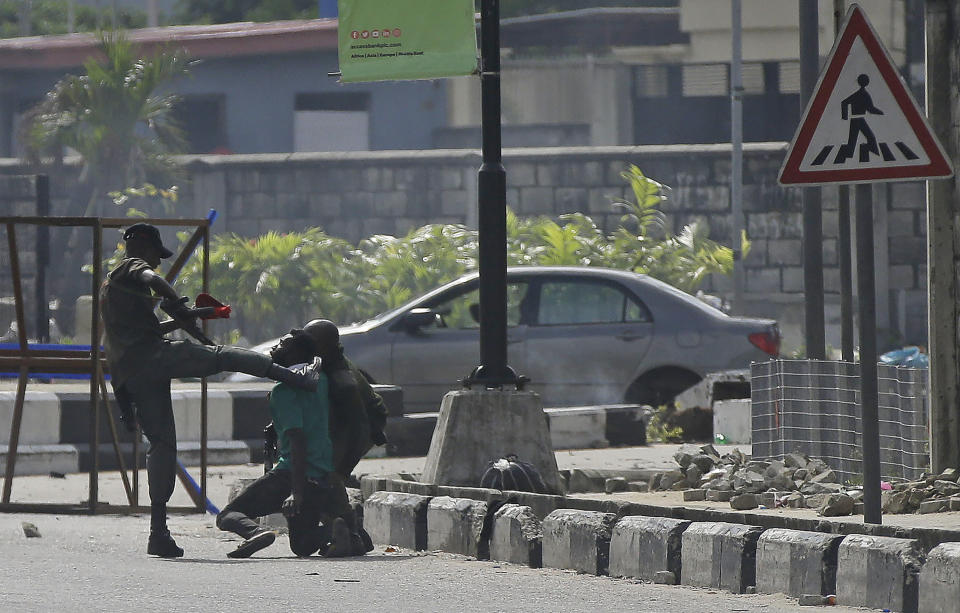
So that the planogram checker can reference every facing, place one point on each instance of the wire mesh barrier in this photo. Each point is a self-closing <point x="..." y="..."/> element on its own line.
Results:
<point x="813" y="407"/>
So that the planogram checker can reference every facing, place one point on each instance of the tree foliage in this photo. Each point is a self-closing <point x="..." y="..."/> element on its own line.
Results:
<point x="115" y="116"/>
<point x="229" y="11"/>
<point x="277" y="281"/>
<point x="50" y="17"/>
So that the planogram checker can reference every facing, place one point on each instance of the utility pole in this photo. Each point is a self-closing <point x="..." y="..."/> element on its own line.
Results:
<point x="943" y="61"/>
<point x="736" y="142"/>
<point x="812" y="215"/>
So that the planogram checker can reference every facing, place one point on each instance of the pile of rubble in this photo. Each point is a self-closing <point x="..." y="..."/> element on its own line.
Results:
<point x="931" y="494"/>
<point x="798" y="481"/>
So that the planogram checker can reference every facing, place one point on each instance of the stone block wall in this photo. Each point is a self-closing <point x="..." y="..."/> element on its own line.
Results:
<point x="356" y="194"/>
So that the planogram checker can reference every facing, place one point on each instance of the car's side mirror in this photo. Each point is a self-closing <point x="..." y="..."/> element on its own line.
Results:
<point x="419" y="318"/>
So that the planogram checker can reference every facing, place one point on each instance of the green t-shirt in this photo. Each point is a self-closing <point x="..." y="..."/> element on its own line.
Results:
<point x="309" y="411"/>
<point x="132" y="329"/>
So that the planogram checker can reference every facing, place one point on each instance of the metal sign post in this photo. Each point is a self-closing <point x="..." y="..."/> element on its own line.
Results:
<point x="862" y="126"/>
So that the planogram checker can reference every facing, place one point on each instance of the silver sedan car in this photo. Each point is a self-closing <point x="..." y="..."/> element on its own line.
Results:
<point x="583" y="336"/>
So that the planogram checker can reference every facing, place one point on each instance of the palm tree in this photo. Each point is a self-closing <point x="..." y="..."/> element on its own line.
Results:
<point x="116" y="116"/>
<point x="119" y="117"/>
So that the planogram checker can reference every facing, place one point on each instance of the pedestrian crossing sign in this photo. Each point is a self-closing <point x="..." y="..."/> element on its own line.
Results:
<point x="861" y="124"/>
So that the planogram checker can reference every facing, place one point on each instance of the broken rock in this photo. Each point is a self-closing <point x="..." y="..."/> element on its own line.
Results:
<point x="835" y="505"/>
<point x="744" y="502"/>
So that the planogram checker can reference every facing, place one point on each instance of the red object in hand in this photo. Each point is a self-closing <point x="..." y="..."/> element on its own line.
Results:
<point x="220" y="310"/>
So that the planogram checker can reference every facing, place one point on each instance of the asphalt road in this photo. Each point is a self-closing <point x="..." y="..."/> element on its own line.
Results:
<point x="98" y="563"/>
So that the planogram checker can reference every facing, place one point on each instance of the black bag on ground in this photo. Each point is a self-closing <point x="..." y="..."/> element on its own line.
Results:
<point x="509" y="473"/>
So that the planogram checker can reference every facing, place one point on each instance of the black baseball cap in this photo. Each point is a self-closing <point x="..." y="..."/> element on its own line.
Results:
<point x="149" y="233"/>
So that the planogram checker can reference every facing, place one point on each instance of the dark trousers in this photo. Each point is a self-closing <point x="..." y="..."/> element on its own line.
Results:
<point x="308" y="529"/>
<point x="150" y="391"/>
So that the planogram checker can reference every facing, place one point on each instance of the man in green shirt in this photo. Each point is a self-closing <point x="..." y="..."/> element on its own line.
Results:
<point x="142" y="363"/>
<point x="359" y="414"/>
<point x="318" y="513"/>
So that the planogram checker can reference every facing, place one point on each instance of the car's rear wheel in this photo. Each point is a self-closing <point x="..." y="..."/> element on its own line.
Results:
<point x="659" y="387"/>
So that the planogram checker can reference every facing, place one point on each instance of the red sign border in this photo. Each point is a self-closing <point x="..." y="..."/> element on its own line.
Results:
<point x="790" y="174"/>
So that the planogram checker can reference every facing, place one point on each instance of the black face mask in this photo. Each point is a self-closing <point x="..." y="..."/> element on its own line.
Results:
<point x="293" y="348"/>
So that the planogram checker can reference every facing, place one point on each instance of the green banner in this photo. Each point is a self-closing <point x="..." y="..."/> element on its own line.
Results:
<point x="388" y="40"/>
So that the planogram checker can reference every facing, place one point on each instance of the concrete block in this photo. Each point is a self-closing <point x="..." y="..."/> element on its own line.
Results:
<point x="878" y="572"/>
<point x="940" y="579"/>
<point x="395" y="518"/>
<point x="511" y="422"/>
<point x="40" y="420"/>
<point x="642" y="547"/>
<point x="719" y="555"/>
<point x="186" y="412"/>
<point x="578" y="540"/>
<point x="517" y="536"/>
<point x="455" y="525"/>
<point x="732" y="419"/>
<point x="41" y="459"/>
<point x="796" y="562"/>
<point x="578" y="428"/>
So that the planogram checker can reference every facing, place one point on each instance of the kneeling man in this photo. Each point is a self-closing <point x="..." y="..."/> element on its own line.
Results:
<point x="318" y="514"/>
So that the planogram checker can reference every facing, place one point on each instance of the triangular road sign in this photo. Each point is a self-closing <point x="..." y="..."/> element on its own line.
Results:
<point x="861" y="124"/>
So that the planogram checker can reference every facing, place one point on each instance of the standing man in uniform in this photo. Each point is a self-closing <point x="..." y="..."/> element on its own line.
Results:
<point x="318" y="513"/>
<point x="142" y="363"/>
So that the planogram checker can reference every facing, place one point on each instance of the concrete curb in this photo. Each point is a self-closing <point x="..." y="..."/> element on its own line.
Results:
<point x="863" y="570"/>
<point x="640" y="547"/>
<point x="879" y="572"/>
<point x="517" y="536"/>
<point x="940" y="579"/>
<point x="577" y="540"/>
<point x="796" y="562"/>
<point x="720" y="555"/>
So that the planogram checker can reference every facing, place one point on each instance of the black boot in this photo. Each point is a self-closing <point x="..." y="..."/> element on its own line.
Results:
<point x="301" y="378"/>
<point x="162" y="544"/>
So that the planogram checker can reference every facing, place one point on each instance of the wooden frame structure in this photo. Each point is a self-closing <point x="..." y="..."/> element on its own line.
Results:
<point x="26" y="360"/>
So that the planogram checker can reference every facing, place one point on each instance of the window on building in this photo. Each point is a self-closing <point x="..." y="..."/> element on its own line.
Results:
<point x="753" y="78"/>
<point x="336" y="121"/>
<point x="789" y="77"/>
<point x="705" y="80"/>
<point x="203" y="119"/>
<point x="652" y="81"/>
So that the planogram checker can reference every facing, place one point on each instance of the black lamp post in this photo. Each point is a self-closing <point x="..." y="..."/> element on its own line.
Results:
<point x="493" y="370"/>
